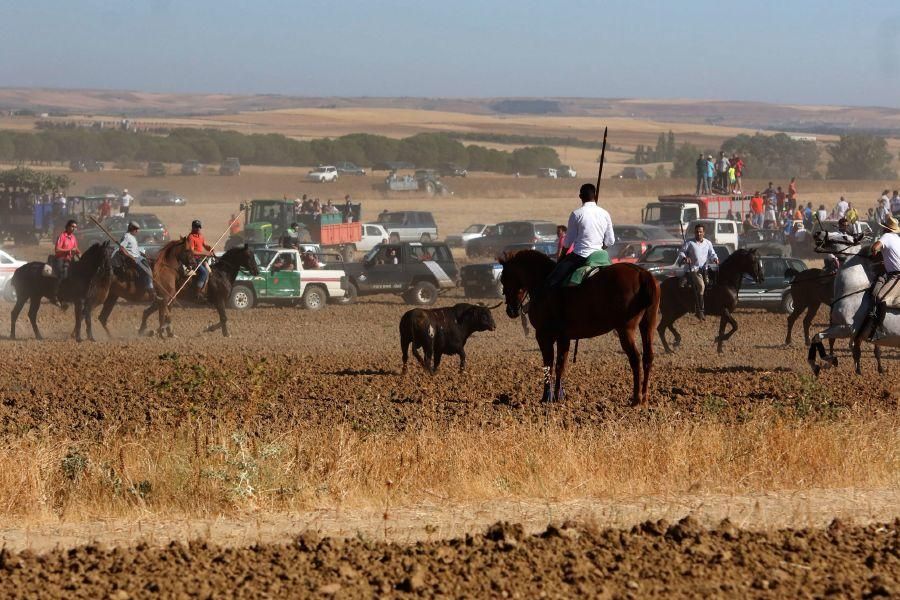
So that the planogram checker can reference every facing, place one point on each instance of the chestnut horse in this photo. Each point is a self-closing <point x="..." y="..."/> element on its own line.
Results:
<point x="169" y="277"/>
<point x="621" y="297"/>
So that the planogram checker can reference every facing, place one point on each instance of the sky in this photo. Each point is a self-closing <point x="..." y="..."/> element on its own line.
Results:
<point x="787" y="51"/>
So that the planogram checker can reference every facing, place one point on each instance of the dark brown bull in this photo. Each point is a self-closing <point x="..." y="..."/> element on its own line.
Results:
<point x="440" y="331"/>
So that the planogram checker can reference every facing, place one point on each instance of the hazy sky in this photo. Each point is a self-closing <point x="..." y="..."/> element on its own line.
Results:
<point x="811" y="51"/>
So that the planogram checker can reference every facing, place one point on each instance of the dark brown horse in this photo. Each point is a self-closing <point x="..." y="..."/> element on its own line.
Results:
<point x="86" y="286"/>
<point x="126" y="283"/>
<point x="720" y="299"/>
<point x="168" y="273"/>
<point x="809" y="290"/>
<point x="621" y="298"/>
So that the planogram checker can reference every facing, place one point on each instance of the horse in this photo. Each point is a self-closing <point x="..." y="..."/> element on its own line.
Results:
<point x="621" y="297"/>
<point x="809" y="290"/>
<point x="126" y="283"/>
<point x="167" y="273"/>
<point x="720" y="298"/>
<point x="86" y="286"/>
<point x="852" y="304"/>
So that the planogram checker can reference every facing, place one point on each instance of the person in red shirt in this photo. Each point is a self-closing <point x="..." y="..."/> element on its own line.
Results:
<point x="738" y="163"/>
<point x="200" y="249"/>
<point x="105" y="209"/>
<point x="66" y="248"/>
<point x="757" y="207"/>
<point x="792" y="191"/>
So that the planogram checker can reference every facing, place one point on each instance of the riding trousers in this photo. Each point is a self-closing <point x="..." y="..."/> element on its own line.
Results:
<point x="887" y="289"/>
<point x="564" y="268"/>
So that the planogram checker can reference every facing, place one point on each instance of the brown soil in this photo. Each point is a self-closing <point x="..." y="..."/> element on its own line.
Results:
<point x="654" y="559"/>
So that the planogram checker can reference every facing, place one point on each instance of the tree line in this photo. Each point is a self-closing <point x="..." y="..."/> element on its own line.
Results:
<point x="212" y="146"/>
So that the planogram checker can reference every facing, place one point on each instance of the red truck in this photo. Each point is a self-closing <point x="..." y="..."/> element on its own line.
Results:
<point x="676" y="211"/>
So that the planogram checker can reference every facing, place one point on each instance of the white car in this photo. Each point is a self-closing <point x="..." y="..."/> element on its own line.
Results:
<point x="372" y="235"/>
<point x="566" y="172"/>
<point x="321" y="174"/>
<point x="471" y="232"/>
<point x="8" y="266"/>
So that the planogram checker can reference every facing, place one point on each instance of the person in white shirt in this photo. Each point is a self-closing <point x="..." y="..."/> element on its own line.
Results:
<point x="125" y="202"/>
<point x="841" y="208"/>
<point x="883" y="207"/>
<point x="590" y="229"/>
<point x="129" y="245"/>
<point x="822" y="214"/>
<point x="886" y="289"/>
<point x="895" y="202"/>
<point x="696" y="254"/>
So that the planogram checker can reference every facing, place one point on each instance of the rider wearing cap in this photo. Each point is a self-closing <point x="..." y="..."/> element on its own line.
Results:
<point x="198" y="246"/>
<point x="696" y="253"/>
<point x="886" y="290"/>
<point x="129" y="244"/>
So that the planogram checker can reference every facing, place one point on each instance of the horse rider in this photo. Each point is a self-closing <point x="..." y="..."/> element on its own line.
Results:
<point x="66" y="249"/>
<point x="129" y="245"/>
<point x="590" y="229"/>
<point x="886" y="289"/>
<point x="200" y="249"/>
<point x="696" y="253"/>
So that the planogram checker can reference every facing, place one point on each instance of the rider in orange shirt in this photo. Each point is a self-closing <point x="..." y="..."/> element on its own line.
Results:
<point x="198" y="246"/>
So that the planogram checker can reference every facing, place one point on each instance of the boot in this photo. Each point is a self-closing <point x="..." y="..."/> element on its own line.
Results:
<point x="877" y="315"/>
<point x="698" y="298"/>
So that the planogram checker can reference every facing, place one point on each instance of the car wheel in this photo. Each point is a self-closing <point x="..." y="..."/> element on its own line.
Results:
<point x="425" y="238"/>
<point x="787" y="303"/>
<point x="314" y="297"/>
<point x="349" y="296"/>
<point x="424" y="293"/>
<point x="241" y="298"/>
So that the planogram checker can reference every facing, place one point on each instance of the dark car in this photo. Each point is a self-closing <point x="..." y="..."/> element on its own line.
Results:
<point x="152" y="230"/>
<point x="774" y="293"/>
<point x="90" y="166"/>
<point x="160" y="198"/>
<point x="103" y="190"/>
<point x="769" y="242"/>
<point x="662" y="260"/>
<point x="483" y="280"/>
<point x="348" y="168"/>
<point x="651" y="234"/>
<point x="452" y="170"/>
<point x="633" y="173"/>
<point x="414" y="270"/>
<point x="156" y="169"/>
<point x="231" y="166"/>
<point x="511" y="232"/>
<point x="191" y="167"/>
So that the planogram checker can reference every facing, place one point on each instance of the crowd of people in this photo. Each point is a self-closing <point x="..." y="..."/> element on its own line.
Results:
<point x="720" y="176"/>
<point x="313" y="206"/>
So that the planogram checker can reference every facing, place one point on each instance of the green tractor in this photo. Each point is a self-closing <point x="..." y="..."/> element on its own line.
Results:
<point x="265" y="221"/>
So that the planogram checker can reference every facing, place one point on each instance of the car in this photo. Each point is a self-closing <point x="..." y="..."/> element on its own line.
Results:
<point x="566" y="172"/>
<point x="156" y="169"/>
<point x="452" y="170"/>
<point x="103" y="190"/>
<point x="547" y="173"/>
<point x="511" y="232"/>
<point x="153" y="197"/>
<point x="8" y="266"/>
<point x="414" y="270"/>
<point x="283" y="278"/>
<point x="633" y="173"/>
<point x="472" y="231"/>
<point x="323" y="174"/>
<point x="152" y="229"/>
<point x="483" y="280"/>
<point x="774" y="293"/>
<point x="348" y="168"/>
<point x="718" y="231"/>
<point x="627" y="252"/>
<point x="372" y="235"/>
<point x="662" y="260"/>
<point x="191" y="167"/>
<point x="90" y="166"/>
<point x="408" y="226"/>
<point x="768" y="242"/>
<point x="231" y="166"/>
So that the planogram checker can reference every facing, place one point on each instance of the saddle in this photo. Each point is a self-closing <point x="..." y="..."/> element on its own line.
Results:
<point x="594" y="263"/>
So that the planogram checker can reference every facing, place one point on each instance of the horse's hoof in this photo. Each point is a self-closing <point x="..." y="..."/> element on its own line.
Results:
<point x="834" y="361"/>
<point x="816" y="370"/>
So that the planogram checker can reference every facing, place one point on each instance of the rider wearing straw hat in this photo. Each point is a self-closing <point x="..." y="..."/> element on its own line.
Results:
<point x="886" y="289"/>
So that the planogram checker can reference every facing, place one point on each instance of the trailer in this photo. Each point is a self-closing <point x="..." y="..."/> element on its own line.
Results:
<point x="674" y="212"/>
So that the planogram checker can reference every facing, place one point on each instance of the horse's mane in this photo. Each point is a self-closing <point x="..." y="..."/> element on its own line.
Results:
<point x="165" y="250"/>
<point x="529" y="259"/>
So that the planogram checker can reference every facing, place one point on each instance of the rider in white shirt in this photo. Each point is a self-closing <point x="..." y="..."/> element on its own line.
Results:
<point x="590" y="229"/>
<point x="886" y="289"/>
<point x="130" y="245"/>
<point x="696" y="253"/>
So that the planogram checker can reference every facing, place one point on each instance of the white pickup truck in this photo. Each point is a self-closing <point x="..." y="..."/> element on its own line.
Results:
<point x="288" y="276"/>
<point x="323" y="174"/>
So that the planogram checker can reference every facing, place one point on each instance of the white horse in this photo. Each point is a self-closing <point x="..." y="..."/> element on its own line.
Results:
<point x="852" y="302"/>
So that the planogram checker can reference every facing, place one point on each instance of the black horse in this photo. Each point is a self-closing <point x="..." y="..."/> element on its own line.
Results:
<point x="86" y="286"/>
<point x="809" y="290"/>
<point x="218" y="288"/>
<point x="720" y="298"/>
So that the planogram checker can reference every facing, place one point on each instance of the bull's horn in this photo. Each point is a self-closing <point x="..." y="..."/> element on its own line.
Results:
<point x="495" y="306"/>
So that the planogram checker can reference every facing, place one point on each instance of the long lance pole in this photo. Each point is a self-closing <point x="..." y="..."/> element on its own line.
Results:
<point x="123" y="250"/>
<point x="202" y="262"/>
<point x="596" y="197"/>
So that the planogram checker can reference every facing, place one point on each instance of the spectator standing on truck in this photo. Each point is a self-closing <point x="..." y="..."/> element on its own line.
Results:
<point x="702" y="183"/>
<point x="771" y="216"/>
<point x="792" y="191"/>
<point x="125" y="202"/>
<point x="780" y="198"/>
<point x="722" y="166"/>
<point x="738" y="164"/>
<point x="808" y="215"/>
<point x="757" y="207"/>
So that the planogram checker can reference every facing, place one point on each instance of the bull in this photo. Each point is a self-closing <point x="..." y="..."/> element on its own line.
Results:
<point x="439" y="331"/>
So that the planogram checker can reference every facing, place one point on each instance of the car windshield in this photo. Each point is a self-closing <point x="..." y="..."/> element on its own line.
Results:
<point x="264" y="257"/>
<point x="663" y="214"/>
<point x="661" y="254"/>
<point x="151" y="223"/>
<point x="395" y="218"/>
<point x="474" y="229"/>
<point x="545" y="229"/>
<point x="269" y="212"/>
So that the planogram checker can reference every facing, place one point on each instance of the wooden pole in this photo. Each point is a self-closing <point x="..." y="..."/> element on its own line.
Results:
<point x="202" y="262"/>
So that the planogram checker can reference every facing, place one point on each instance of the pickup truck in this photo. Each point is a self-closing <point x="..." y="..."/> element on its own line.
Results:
<point x="283" y="278"/>
<point x="673" y="213"/>
<point x="414" y="270"/>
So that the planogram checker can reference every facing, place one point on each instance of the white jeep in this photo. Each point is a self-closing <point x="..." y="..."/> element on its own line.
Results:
<point x="323" y="174"/>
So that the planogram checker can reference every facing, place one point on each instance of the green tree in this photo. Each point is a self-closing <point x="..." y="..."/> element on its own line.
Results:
<point x="670" y="146"/>
<point x="685" y="162"/>
<point x="860" y="156"/>
<point x="531" y="158"/>
<point x="773" y="156"/>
